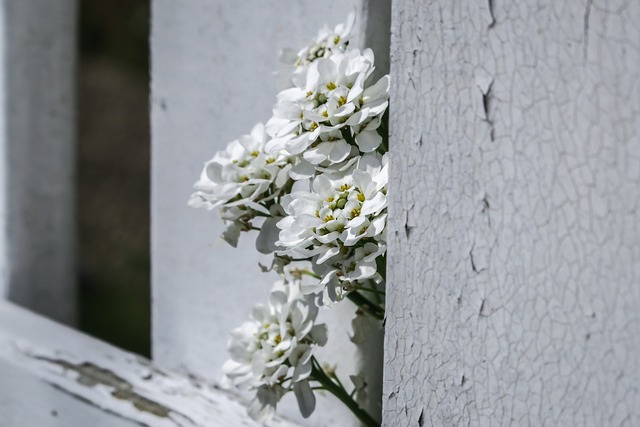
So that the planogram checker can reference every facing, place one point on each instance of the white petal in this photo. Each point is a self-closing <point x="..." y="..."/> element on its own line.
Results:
<point x="374" y="205"/>
<point x="377" y="108"/>
<point x="302" y="170"/>
<point x="231" y="234"/>
<point x="368" y="141"/>
<point x="317" y="155"/>
<point x="301" y="372"/>
<point x="268" y="235"/>
<point x="306" y="398"/>
<point x="323" y="187"/>
<point x="298" y="144"/>
<point x="263" y="406"/>
<point x="308" y="221"/>
<point x="331" y="252"/>
<point x="340" y="151"/>
<point x="275" y="145"/>
<point x="380" y="90"/>
<point x="358" y="117"/>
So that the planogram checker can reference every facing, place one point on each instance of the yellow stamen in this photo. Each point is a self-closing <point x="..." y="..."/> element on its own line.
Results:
<point x="331" y="86"/>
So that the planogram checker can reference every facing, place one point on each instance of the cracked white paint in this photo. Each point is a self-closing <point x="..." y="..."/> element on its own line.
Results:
<point x="54" y="376"/>
<point x="514" y="254"/>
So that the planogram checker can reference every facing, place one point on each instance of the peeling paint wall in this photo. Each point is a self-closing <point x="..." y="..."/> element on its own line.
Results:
<point x="514" y="254"/>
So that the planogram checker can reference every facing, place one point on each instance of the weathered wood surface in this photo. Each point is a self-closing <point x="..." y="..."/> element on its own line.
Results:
<point x="54" y="376"/>
<point x="514" y="255"/>
<point x="37" y="160"/>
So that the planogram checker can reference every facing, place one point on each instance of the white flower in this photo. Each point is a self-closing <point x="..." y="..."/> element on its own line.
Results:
<point x="242" y="181"/>
<point x="239" y="175"/>
<point x="331" y="110"/>
<point x="271" y="353"/>
<point x="327" y="41"/>
<point x="340" y="223"/>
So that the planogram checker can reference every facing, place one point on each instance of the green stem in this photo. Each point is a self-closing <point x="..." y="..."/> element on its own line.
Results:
<point x="366" y="305"/>
<point x="309" y="273"/>
<point x="339" y="392"/>
<point x="365" y="289"/>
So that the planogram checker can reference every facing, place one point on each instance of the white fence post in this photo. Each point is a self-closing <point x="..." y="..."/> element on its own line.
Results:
<point x="37" y="160"/>
<point x="514" y="253"/>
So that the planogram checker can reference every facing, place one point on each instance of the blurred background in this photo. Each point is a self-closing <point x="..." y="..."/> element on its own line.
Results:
<point x="113" y="168"/>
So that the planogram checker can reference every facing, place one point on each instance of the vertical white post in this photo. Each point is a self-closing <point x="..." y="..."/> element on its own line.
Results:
<point x="37" y="219"/>
<point x="514" y="251"/>
<point x="212" y="80"/>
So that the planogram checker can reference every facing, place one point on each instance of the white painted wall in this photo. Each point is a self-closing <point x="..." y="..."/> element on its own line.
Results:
<point x="514" y="253"/>
<point x="37" y="160"/>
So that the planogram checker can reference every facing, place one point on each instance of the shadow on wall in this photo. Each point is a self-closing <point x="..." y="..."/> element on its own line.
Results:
<point x="113" y="172"/>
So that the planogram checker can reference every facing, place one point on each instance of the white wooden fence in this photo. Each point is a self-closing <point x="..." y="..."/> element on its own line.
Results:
<point x="514" y="256"/>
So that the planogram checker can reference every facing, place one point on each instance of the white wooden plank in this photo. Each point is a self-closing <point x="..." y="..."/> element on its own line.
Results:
<point x="212" y="66"/>
<point x="514" y="254"/>
<point x="37" y="160"/>
<point x="28" y="401"/>
<point x="54" y="376"/>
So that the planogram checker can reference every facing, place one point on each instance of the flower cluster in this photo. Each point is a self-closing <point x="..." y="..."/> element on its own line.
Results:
<point x="330" y="106"/>
<point x="327" y="42"/>
<point x="340" y="224"/>
<point x="272" y="351"/>
<point x="313" y="181"/>
<point x="242" y="181"/>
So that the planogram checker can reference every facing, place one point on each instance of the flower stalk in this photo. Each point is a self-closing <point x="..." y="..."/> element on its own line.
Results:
<point x="332" y="387"/>
<point x="372" y="309"/>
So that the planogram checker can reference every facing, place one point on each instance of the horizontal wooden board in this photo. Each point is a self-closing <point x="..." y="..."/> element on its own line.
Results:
<point x="55" y="376"/>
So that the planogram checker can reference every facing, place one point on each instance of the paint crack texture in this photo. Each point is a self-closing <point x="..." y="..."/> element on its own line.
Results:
<point x="514" y="250"/>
